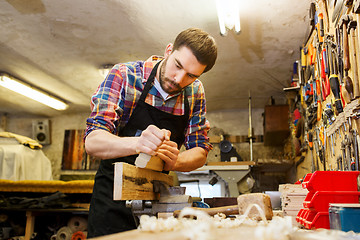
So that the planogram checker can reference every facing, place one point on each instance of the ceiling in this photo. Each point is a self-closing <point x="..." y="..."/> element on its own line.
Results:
<point x="59" y="45"/>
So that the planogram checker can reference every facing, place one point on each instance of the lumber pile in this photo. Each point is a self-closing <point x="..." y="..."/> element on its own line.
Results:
<point x="292" y="198"/>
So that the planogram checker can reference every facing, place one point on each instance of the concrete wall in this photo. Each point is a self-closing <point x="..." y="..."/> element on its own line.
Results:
<point x="236" y="122"/>
<point x="23" y="126"/>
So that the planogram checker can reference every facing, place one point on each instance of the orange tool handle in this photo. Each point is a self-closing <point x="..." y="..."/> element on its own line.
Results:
<point x="320" y="27"/>
<point x="312" y="54"/>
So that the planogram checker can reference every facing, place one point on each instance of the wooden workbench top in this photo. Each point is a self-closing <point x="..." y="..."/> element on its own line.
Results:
<point x="244" y="232"/>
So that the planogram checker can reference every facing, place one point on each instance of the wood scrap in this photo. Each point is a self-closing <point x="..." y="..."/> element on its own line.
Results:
<point x="261" y="199"/>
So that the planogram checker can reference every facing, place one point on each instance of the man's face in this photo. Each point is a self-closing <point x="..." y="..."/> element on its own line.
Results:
<point x="179" y="69"/>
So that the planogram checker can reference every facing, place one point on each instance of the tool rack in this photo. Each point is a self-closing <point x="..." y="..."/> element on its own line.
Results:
<point x="326" y="94"/>
<point x="326" y="85"/>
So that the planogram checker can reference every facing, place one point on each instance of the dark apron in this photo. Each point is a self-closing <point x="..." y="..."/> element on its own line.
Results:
<point x="107" y="216"/>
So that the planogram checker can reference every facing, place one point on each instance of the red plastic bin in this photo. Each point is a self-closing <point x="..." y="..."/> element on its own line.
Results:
<point x="321" y="220"/>
<point x="320" y="200"/>
<point x="305" y="215"/>
<point x="331" y="181"/>
<point x="299" y="216"/>
<point x="311" y="219"/>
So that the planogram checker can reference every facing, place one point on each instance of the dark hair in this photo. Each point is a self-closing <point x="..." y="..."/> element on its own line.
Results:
<point x="201" y="44"/>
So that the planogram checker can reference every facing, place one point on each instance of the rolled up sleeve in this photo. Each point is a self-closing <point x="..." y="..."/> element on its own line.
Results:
<point x="199" y="126"/>
<point x="106" y="104"/>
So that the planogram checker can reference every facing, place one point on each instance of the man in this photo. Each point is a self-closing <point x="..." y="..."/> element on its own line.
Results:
<point x="151" y="107"/>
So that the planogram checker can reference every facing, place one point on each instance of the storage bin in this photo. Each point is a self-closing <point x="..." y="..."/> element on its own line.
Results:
<point x="345" y="217"/>
<point x="331" y="181"/>
<point x="320" y="200"/>
<point x="325" y="188"/>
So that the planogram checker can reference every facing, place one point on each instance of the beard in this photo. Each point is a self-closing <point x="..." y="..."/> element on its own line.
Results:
<point x="168" y="85"/>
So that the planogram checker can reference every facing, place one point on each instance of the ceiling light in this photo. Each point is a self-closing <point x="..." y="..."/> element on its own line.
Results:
<point x="105" y="69"/>
<point x="228" y="15"/>
<point x="15" y="85"/>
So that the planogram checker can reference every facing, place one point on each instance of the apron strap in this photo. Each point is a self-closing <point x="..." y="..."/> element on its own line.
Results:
<point x="149" y="82"/>
<point x="148" y="86"/>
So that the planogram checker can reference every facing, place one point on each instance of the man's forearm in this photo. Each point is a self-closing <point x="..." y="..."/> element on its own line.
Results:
<point x="105" y="145"/>
<point x="190" y="160"/>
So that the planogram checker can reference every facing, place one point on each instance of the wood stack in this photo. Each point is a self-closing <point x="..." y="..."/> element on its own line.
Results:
<point x="292" y="198"/>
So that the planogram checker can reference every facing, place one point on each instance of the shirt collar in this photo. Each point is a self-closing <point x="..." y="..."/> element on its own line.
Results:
<point x="149" y="64"/>
<point x="148" y="67"/>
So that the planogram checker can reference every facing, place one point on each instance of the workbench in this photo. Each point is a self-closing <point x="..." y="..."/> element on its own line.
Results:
<point x="244" y="232"/>
<point x="31" y="215"/>
<point x="230" y="172"/>
<point x="76" y="189"/>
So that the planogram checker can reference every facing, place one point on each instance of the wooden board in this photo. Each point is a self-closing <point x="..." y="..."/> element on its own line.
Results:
<point x="133" y="183"/>
<point x="47" y="186"/>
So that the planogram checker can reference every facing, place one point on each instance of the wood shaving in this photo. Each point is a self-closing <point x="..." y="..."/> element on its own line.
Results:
<point x="279" y="228"/>
<point x="202" y="226"/>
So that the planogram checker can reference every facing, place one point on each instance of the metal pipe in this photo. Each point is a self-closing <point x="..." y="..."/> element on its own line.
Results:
<point x="250" y="130"/>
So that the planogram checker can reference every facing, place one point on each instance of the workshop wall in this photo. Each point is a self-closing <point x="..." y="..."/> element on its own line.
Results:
<point x="236" y="121"/>
<point x="58" y="125"/>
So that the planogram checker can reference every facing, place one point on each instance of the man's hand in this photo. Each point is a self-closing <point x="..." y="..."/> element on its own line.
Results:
<point x="151" y="139"/>
<point x="168" y="152"/>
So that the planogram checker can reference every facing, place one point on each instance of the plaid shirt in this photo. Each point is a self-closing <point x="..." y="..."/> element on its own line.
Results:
<point x="117" y="96"/>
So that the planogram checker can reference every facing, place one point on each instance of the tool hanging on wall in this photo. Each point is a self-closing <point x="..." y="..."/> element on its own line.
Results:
<point x="335" y="85"/>
<point x="325" y="72"/>
<point x="356" y="10"/>
<point x="337" y="10"/>
<point x="355" y="151"/>
<point x="321" y="55"/>
<point x="352" y="52"/>
<point x="347" y="80"/>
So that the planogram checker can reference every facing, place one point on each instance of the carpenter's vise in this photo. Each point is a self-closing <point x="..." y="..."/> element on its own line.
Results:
<point x="170" y="200"/>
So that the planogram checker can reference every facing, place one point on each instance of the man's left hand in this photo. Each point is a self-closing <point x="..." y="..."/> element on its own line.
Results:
<point x="168" y="152"/>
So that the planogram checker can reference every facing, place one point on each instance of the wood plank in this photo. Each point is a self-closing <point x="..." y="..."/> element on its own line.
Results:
<point x="133" y="183"/>
<point x="47" y="186"/>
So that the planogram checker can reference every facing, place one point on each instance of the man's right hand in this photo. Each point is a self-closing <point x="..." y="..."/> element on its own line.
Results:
<point x="150" y="139"/>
